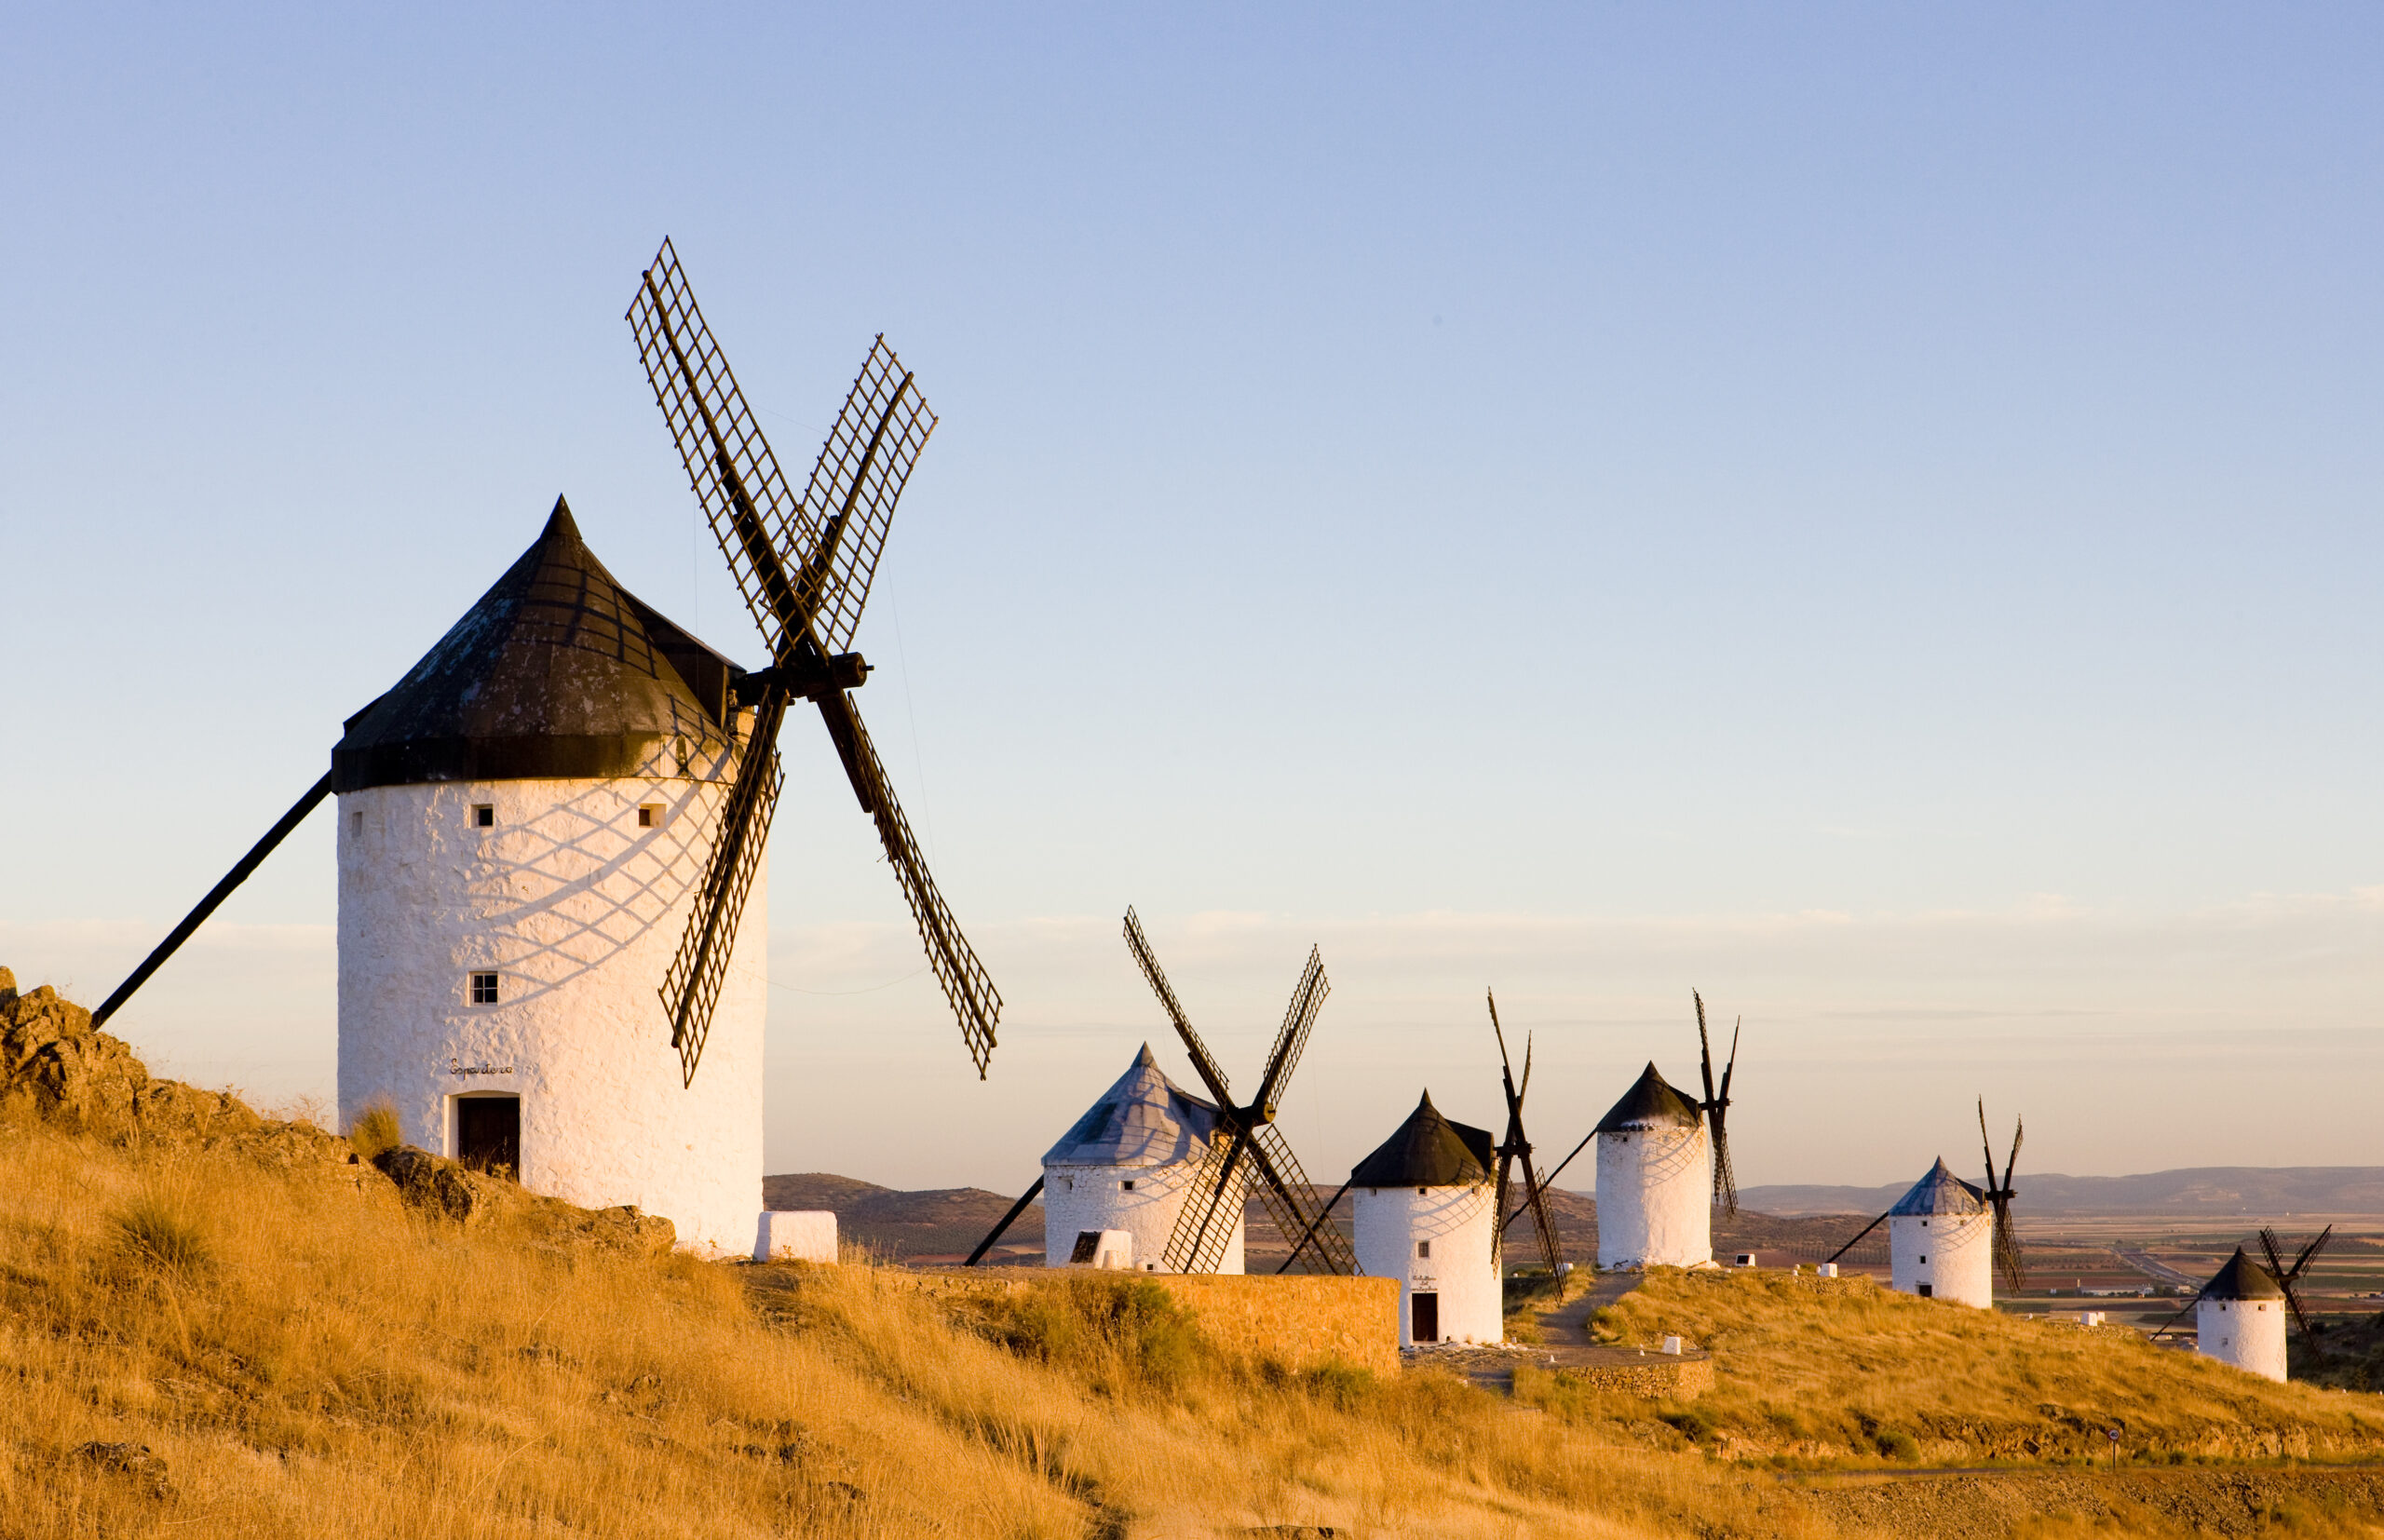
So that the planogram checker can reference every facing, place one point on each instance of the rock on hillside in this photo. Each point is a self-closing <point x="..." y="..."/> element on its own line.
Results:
<point x="53" y="1060"/>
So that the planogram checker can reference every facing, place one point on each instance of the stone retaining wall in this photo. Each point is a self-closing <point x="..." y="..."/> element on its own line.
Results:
<point x="1299" y="1321"/>
<point x="1677" y="1379"/>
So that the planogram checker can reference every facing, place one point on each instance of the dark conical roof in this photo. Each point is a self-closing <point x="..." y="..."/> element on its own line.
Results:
<point x="558" y="671"/>
<point x="2243" y="1278"/>
<point x="1144" y="1119"/>
<point x="1650" y="1104"/>
<point x="1428" y="1151"/>
<point x="1941" y="1192"/>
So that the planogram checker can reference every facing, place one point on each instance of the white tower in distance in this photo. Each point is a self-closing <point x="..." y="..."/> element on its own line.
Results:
<point x="1125" y="1166"/>
<point x="1426" y="1213"/>
<point x="1655" y="1180"/>
<point x="2239" y="1318"/>
<point x="1941" y="1241"/>
<point x="523" y="826"/>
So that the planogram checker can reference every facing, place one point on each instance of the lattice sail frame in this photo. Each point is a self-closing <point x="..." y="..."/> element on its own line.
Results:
<point x="691" y="989"/>
<point x="975" y="1002"/>
<point x="843" y="516"/>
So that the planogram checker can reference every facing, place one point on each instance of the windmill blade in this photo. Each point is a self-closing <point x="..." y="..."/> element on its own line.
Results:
<point x="2012" y="1161"/>
<point x="1290" y="1038"/>
<point x="1506" y="1065"/>
<point x="1203" y="1229"/>
<point x="691" y="989"/>
<point x="1730" y="1070"/>
<point x="2009" y="1259"/>
<point x="1725" y="1180"/>
<point x="1212" y="1074"/>
<point x="2284" y="1279"/>
<point x="1309" y="1233"/>
<point x="1536" y="1198"/>
<point x="975" y="1002"/>
<point x="1987" y="1145"/>
<point x="861" y="469"/>
<point x="1284" y="1192"/>
<point x="215" y="896"/>
<point x="1705" y="1048"/>
<point x="2310" y="1253"/>
<point x="804" y="565"/>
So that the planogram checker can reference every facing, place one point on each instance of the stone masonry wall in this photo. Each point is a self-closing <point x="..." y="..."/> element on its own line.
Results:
<point x="1299" y="1321"/>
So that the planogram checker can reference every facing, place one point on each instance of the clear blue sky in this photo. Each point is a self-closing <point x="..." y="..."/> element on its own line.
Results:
<point x="1870" y="511"/>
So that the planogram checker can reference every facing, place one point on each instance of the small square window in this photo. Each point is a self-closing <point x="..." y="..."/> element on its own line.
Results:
<point x="649" y="814"/>
<point x="484" y="989"/>
<point x="483" y="816"/>
<point x="1423" y="1247"/>
<point x="355" y="822"/>
<point x="1127" y="1185"/>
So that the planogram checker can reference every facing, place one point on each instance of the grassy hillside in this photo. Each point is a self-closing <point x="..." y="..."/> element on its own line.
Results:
<point x="216" y="1324"/>
<point x="1810" y="1369"/>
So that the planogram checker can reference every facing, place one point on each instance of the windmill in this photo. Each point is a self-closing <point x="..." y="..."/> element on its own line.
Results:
<point x="2288" y="1277"/>
<point x="804" y="565"/>
<point x="1516" y="1148"/>
<point x="1204" y="1226"/>
<point x="1999" y="1196"/>
<point x="1716" y="1103"/>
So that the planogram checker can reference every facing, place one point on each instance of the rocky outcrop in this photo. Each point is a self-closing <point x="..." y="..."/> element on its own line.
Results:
<point x="55" y="1063"/>
<point x="449" y="1190"/>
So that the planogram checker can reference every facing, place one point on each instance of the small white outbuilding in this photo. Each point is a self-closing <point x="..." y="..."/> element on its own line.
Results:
<point x="1655" y="1180"/>
<point x="1126" y="1165"/>
<point x="2239" y="1318"/>
<point x="1941" y="1241"/>
<point x="1426" y="1212"/>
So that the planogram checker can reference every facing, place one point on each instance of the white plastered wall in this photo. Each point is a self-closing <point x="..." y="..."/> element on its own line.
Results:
<point x="1095" y="1197"/>
<point x="1391" y="1227"/>
<point x="1952" y="1253"/>
<point x="1655" y="1197"/>
<point x="579" y="912"/>
<point x="2247" y="1334"/>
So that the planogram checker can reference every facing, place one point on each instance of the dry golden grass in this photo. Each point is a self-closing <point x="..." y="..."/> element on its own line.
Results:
<point x="1827" y="1371"/>
<point x="309" y="1358"/>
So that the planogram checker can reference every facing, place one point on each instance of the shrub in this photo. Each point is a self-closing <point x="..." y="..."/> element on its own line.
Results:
<point x="375" y="1130"/>
<point x="153" y="1235"/>
<point x="1896" y="1444"/>
<point x="1094" y="1325"/>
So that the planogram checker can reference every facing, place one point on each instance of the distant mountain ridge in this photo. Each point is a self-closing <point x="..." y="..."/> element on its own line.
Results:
<point x="2219" y="1191"/>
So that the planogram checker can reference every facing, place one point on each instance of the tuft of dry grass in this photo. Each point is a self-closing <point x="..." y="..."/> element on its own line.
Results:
<point x="375" y="1130"/>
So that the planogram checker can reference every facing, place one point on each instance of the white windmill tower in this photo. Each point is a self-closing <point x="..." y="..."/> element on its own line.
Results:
<point x="1947" y="1239"/>
<point x="1655" y="1180"/>
<point x="552" y="830"/>
<point x="2240" y="1317"/>
<point x="1425" y="1210"/>
<point x="1127" y="1166"/>
<point x="1941" y="1241"/>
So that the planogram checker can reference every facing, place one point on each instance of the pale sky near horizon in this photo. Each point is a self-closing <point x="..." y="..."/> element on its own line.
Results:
<point x="1866" y="511"/>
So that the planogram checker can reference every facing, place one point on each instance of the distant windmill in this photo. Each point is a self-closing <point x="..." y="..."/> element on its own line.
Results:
<point x="1999" y="1196"/>
<point x="1212" y="1206"/>
<point x="1516" y="1149"/>
<point x="1716" y="1103"/>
